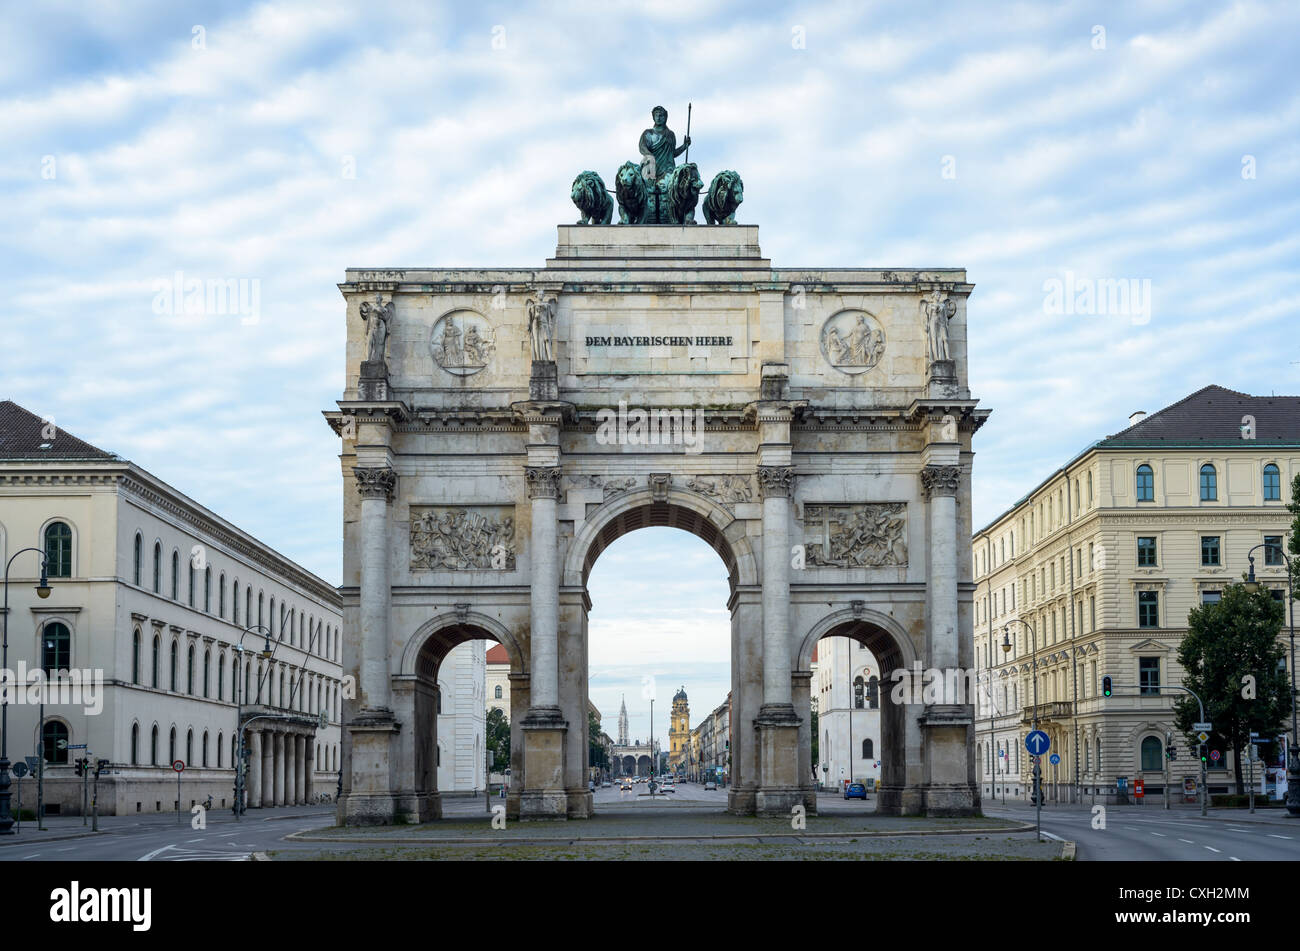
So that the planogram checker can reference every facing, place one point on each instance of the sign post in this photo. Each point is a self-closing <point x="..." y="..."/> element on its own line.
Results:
<point x="19" y="770"/>
<point x="1038" y="743"/>
<point x="179" y="767"/>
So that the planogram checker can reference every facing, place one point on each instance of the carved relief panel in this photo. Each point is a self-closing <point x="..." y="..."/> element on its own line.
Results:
<point x="861" y="535"/>
<point x="463" y="537"/>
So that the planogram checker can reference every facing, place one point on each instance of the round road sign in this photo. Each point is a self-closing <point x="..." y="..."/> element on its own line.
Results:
<point x="1055" y="759"/>
<point x="19" y="769"/>
<point x="1214" y="755"/>
<point x="178" y="765"/>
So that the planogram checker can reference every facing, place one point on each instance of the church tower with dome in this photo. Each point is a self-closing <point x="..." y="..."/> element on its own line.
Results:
<point x="679" y="734"/>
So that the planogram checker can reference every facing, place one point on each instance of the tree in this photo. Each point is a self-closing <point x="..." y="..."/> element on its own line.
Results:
<point x="813" y="725"/>
<point x="497" y="738"/>
<point x="1230" y="658"/>
<point x="1293" y="543"/>
<point x="596" y="753"/>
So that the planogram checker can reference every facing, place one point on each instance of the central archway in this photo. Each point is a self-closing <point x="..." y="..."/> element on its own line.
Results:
<point x="668" y="507"/>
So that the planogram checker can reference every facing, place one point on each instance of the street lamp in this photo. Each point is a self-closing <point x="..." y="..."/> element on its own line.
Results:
<point x="266" y="653"/>
<point x="42" y="591"/>
<point x="1293" y="752"/>
<point x="1033" y="676"/>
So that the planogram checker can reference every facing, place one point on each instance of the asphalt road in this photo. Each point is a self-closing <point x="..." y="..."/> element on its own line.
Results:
<point x="1146" y="833"/>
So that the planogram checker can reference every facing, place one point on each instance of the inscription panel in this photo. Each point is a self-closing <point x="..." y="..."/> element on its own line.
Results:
<point x="654" y="341"/>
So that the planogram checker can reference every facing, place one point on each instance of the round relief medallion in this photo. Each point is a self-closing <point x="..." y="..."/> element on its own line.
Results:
<point x="463" y="342"/>
<point x="852" y="341"/>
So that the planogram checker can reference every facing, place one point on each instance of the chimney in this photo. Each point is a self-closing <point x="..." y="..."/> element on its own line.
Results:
<point x="1137" y="417"/>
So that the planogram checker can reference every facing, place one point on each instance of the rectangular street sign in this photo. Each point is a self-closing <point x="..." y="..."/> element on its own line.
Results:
<point x="76" y="746"/>
<point x="1198" y="727"/>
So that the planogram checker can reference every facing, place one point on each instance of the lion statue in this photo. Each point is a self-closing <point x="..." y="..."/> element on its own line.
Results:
<point x="725" y="194"/>
<point x="592" y="199"/>
<point x="632" y="193"/>
<point x="681" y="189"/>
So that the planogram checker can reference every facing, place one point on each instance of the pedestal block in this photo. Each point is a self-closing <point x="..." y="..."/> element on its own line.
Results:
<point x="544" y="795"/>
<point x="949" y="788"/>
<point x="369" y="799"/>
<point x="779" y="789"/>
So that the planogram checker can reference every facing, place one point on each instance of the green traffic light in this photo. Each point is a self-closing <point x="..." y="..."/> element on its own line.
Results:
<point x="1105" y="686"/>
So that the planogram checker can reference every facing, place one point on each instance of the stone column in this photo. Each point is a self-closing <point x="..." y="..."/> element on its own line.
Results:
<point x="277" y="740"/>
<point x="268" y="768"/>
<point x="290" y="769"/>
<point x="309" y="770"/>
<point x="253" y="778"/>
<point x="300" y="770"/>
<point x="947" y="726"/>
<point x="369" y="796"/>
<point x="375" y="486"/>
<point x="777" y="723"/>
<point x="544" y="594"/>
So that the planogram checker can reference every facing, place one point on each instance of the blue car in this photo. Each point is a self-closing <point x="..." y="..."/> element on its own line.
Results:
<point x="855" y="791"/>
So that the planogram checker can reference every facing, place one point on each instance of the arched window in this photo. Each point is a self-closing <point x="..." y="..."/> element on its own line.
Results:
<point x="1090" y="489"/>
<point x="497" y="692"/>
<point x="1146" y="484"/>
<point x="868" y="750"/>
<point x="873" y="693"/>
<point x="271" y="621"/>
<point x="56" y="647"/>
<point x="171" y="746"/>
<point x="1151" y="753"/>
<point x="176" y="576"/>
<point x="1272" y="483"/>
<point x="207" y="666"/>
<point x="259" y="609"/>
<point x="205" y="748"/>
<point x="221" y="678"/>
<point x="153" y="747"/>
<point x="157" y="568"/>
<point x="139" y="554"/>
<point x="51" y="736"/>
<point x="858" y="688"/>
<point x="234" y="601"/>
<point x="219" y="751"/>
<point x="58" y="550"/>
<point x="189" y="671"/>
<point x="207" y="590"/>
<point x="157" y="649"/>
<point x="248" y="605"/>
<point x="191" y="584"/>
<point x="1209" y="484"/>
<point x="135" y="657"/>
<point x="175" y="649"/>
<point x="135" y="744"/>
<point x="189" y="747"/>
<point x="221" y="596"/>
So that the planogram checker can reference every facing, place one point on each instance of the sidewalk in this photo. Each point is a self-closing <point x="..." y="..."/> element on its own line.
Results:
<point x="58" y="828"/>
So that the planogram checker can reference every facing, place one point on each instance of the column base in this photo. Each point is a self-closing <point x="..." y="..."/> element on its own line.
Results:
<point x="741" y="801"/>
<point x="777" y="800"/>
<point x="955" y="799"/>
<point x="779" y="789"/>
<point x="544" y="795"/>
<point x="581" y="804"/>
<point x="366" y="809"/>
<point x="543" y="804"/>
<point x="418" y="807"/>
<point x="899" y="801"/>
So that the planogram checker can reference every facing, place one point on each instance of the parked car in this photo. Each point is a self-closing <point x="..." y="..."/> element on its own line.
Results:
<point x="710" y="786"/>
<point x="605" y="784"/>
<point x="855" y="791"/>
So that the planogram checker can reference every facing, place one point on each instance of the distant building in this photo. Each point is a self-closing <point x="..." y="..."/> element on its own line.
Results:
<point x="679" y="733"/>
<point x="498" y="678"/>
<point x="462" y="719"/>
<point x="846" y="686"/>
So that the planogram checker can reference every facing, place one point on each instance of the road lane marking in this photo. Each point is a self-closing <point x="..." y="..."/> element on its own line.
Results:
<point x="1234" y="858"/>
<point x="1235" y="829"/>
<point x="1161" y="834"/>
<point x="199" y="839"/>
<point x="1212" y="848"/>
<point x="149" y="856"/>
<point x="32" y="856"/>
<point x="1274" y="835"/>
<point x="1188" y="841"/>
<point x="1050" y="836"/>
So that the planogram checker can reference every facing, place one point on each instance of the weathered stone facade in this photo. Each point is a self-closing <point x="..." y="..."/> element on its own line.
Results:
<point x="654" y="375"/>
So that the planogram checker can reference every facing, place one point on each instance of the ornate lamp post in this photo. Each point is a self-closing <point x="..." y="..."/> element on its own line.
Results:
<point x="267" y="653"/>
<point x="1293" y="753"/>
<point x="1033" y="651"/>
<point x="42" y="591"/>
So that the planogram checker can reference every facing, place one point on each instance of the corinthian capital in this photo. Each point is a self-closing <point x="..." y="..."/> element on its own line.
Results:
<point x="775" y="481"/>
<point x="375" y="482"/>
<point x="543" y="481"/>
<point x="940" y="480"/>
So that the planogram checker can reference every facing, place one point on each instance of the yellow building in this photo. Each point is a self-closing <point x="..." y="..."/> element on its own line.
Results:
<point x="1093" y="574"/>
<point x="679" y="734"/>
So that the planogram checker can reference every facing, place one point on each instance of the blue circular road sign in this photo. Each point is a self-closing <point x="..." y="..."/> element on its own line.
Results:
<point x="1037" y="742"/>
<point x="1054" y="759"/>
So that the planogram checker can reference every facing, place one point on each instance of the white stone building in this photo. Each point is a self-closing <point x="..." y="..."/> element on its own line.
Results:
<point x="151" y="593"/>
<point x="498" y="679"/>
<point x="462" y="719"/>
<point x="847" y="686"/>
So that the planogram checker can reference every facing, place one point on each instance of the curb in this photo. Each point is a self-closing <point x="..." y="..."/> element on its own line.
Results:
<point x="1068" y="850"/>
<point x="259" y="857"/>
<point x="54" y="838"/>
<point x="627" y="839"/>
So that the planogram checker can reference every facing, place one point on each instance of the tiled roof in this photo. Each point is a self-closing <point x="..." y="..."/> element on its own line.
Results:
<point x="23" y="436"/>
<point x="1215" y="416"/>
<point x="497" y="655"/>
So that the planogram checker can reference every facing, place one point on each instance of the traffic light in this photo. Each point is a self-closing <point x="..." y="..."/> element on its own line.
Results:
<point x="79" y="766"/>
<point x="1105" y="686"/>
<point x="100" y="766"/>
<point x="1172" y="752"/>
<point x="1204" y="755"/>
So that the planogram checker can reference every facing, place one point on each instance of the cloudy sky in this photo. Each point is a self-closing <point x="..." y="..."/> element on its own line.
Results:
<point x="275" y="144"/>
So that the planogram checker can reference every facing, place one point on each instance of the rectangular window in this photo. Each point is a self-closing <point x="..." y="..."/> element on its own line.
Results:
<point x="1148" y="609"/>
<point x="1273" y="550"/>
<point x="1209" y="550"/>
<point x="1149" y="675"/>
<point x="1210" y="597"/>
<point x="1146" y="551"/>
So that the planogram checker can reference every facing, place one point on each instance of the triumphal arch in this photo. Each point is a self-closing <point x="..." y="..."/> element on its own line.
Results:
<point x="502" y="426"/>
